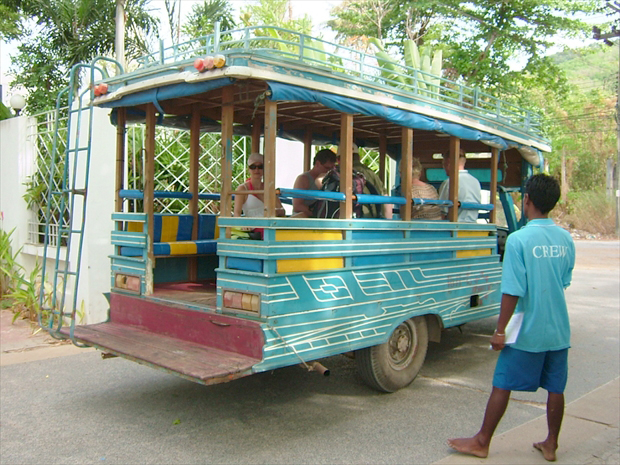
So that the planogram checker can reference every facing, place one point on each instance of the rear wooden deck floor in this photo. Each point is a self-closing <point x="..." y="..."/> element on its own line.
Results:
<point x="206" y="365"/>
<point x="202" y="293"/>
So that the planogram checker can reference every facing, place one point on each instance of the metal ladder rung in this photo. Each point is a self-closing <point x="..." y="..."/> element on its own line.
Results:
<point x="70" y="273"/>
<point x="72" y="231"/>
<point x="74" y="175"/>
<point x="73" y="191"/>
<point x="77" y="109"/>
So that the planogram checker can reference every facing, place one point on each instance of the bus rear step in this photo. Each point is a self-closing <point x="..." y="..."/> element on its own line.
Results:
<point x="206" y="365"/>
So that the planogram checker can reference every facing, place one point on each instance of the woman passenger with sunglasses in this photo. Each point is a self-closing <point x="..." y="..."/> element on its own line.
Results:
<point x="252" y="205"/>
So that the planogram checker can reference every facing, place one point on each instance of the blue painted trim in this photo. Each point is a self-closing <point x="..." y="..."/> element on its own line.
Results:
<point x="168" y="92"/>
<point x="288" y="92"/>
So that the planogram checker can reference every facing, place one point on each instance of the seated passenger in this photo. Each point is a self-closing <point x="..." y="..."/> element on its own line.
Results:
<point x="422" y="190"/>
<point x="469" y="190"/>
<point x="252" y="205"/>
<point x="374" y="179"/>
<point x="324" y="161"/>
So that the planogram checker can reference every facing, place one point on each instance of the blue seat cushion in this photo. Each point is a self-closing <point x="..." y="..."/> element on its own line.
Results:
<point x="131" y="251"/>
<point x="206" y="226"/>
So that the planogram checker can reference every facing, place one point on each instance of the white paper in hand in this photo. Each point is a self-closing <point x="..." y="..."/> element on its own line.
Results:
<point x="513" y="327"/>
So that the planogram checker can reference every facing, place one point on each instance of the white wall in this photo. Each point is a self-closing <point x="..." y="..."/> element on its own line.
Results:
<point x="290" y="156"/>
<point x="17" y="162"/>
<point x="95" y="266"/>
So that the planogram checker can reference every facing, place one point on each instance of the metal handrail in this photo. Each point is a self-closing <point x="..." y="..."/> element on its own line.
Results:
<point x="322" y="55"/>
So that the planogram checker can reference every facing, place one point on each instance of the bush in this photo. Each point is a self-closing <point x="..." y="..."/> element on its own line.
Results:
<point x="589" y="211"/>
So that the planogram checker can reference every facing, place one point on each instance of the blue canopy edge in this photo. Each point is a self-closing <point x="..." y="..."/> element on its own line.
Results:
<point x="158" y="94"/>
<point x="280" y="91"/>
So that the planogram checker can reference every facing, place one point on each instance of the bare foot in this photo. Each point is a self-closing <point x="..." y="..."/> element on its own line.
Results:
<point x="547" y="450"/>
<point x="469" y="446"/>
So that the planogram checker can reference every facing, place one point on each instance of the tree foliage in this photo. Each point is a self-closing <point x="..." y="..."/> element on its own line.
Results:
<point x="482" y="40"/>
<point x="10" y="21"/>
<point x="201" y="21"/>
<point x="62" y="33"/>
<point x="277" y="13"/>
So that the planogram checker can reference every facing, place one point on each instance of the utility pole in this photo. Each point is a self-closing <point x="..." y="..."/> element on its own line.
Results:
<point x="615" y="32"/>
<point x="120" y="32"/>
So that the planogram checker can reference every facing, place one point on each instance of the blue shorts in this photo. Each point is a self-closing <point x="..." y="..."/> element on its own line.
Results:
<point x="517" y="370"/>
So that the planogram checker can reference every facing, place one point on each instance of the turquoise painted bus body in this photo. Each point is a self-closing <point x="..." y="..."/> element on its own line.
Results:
<point x="192" y="294"/>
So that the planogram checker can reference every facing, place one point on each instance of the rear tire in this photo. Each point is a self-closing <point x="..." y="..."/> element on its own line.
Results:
<point x="393" y="365"/>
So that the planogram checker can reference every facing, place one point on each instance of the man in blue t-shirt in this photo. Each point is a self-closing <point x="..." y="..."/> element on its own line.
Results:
<point x="538" y="265"/>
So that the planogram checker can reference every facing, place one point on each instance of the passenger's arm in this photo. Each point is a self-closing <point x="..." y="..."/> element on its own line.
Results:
<point x="298" y="204"/>
<point x="239" y="200"/>
<point x="387" y="211"/>
<point x="279" y="208"/>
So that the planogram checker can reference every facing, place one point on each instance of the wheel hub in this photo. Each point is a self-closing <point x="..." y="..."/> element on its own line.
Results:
<point x="401" y="346"/>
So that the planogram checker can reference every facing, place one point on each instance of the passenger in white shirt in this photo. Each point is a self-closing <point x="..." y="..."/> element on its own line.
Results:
<point x="469" y="190"/>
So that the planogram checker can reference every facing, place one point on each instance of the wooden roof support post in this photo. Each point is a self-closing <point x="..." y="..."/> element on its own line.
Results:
<point x="269" y="172"/>
<point x="493" y="187"/>
<point x="194" y="185"/>
<point x="405" y="172"/>
<point x="382" y="157"/>
<point x="120" y="159"/>
<point x="149" y="190"/>
<point x="346" y="165"/>
<point x="455" y="147"/>
<point x="228" y="115"/>
<point x="194" y="163"/>
<point x="307" y="149"/>
<point x="256" y="132"/>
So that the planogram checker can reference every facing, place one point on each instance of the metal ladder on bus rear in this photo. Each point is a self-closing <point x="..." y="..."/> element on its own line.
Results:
<point x="71" y="200"/>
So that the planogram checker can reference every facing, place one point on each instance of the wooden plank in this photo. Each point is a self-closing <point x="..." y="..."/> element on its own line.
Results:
<point x="228" y="112"/>
<point x="382" y="158"/>
<point x="269" y="172"/>
<point x="493" y="187"/>
<point x="405" y="172"/>
<point x="453" y="212"/>
<point x="149" y="186"/>
<point x="346" y="165"/>
<point x="256" y="132"/>
<point x="205" y="364"/>
<point x="194" y="187"/>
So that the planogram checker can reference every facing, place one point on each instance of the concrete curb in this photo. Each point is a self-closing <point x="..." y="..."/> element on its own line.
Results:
<point x="589" y="434"/>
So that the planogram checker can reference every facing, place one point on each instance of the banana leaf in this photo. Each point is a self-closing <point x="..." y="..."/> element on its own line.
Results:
<point x="278" y="44"/>
<point x="390" y="70"/>
<point x="436" y="66"/>
<point x="314" y="50"/>
<point x="426" y="68"/>
<point x="377" y="43"/>
<point x="412" y="54"/>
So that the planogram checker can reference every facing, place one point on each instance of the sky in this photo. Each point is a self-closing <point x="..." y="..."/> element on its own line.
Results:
<point x="318" y="10"/>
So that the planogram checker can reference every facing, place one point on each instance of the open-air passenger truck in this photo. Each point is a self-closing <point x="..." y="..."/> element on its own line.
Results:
<point x="189" y="298"/>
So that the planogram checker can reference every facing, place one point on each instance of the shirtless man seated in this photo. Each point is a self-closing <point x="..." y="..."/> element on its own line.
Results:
<point x="324" y="161"/>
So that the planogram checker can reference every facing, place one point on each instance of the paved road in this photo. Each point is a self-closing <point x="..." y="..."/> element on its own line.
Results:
<point x="81" y="409"/>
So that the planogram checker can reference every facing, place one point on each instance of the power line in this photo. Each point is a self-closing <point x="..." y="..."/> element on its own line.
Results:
<point x="593" y="131"/>
<point x="597" y="113"/>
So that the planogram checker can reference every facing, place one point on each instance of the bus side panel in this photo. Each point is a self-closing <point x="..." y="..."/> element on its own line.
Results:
<point x="311" y="316"/>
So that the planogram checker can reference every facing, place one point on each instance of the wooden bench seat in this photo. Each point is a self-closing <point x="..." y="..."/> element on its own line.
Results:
<point x="172" y="236"/>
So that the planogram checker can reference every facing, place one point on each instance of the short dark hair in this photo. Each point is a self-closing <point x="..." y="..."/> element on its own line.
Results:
<point x="543" y="191"/>
<point x="325" y="155"/>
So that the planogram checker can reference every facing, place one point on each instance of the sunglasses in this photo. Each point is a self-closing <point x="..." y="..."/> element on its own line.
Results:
<point x="256" y="167"/>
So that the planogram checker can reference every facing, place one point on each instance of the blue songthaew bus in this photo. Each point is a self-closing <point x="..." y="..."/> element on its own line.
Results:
<point x="191" y="296"/>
